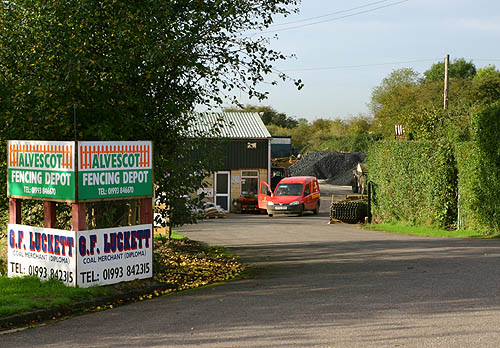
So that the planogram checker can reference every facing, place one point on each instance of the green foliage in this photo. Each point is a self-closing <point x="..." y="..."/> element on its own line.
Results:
<point x="469" y="187"/>
<point x="426" y="231"/>
<point x="396" y="95"/>
<point x="471" y="122"/>
<point x="415" y="182"/>
<point x="486" y="86"/>
<point x="458" y="68"/>
<point x="4" y="220"/>
<point x="24" y="294"/>
<point x="349" y="143"/>
<point x="490" y="70"/>
<point x="359" y="125"/>
<point x="351" y="135"/>
<point x="404" y="98"/>
<point x="479" y="173"/>
<point x="433" y="122"/>
<point x="128" y="70"/>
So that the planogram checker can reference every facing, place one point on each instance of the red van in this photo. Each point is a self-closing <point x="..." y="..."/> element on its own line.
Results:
<point x="293" y="195"/>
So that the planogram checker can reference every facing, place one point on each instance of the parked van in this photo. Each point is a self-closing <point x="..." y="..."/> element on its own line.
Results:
<point x="293" y="195"/>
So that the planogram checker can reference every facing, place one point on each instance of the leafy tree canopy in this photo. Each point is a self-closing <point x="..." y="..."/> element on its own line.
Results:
<point x="394" y="96"/>
<point x="490" y="70"/>
<point x="486" y="85"/>
<point x="459" y="68"/>
<point x="129" y="70"/>
<point x="404" y="98"/>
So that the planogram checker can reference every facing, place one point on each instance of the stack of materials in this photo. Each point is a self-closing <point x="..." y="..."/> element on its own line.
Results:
<point x="335" y="167"/>
<point x="212" y="211"/>
<point x="349" y="210"/>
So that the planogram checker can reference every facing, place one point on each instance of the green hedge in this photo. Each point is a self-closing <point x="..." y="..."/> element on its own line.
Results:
<point x="478" y="165"/>
<point x="414" y="182"/>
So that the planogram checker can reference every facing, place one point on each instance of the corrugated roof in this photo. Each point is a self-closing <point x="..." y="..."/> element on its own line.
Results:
<point x="232" y="125"/>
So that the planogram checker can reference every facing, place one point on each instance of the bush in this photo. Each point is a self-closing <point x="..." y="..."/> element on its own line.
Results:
<point x="414" y="182"/>
<point x="479" y="173"/>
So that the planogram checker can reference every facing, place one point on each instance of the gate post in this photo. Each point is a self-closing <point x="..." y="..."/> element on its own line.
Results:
<point x="79" y="217"/>
<point x="14" y="211"/>
<point x="49" y="214"/>
<point x="146" y="211"/>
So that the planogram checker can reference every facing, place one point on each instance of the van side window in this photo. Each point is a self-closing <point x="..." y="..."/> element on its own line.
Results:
<point x="264" y="190"/>
<point x="307" y="190"/>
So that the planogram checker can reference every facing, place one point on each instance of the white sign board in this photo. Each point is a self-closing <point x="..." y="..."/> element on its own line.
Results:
<point x="84" y="258"/>
<point x="113" y="255"/>
<point x="235" y="179"/>
<point x="209" y="192"/>
<point x="43" y="252"/>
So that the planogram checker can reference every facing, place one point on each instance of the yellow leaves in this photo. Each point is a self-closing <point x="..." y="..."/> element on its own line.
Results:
<point x="188" y="265"/>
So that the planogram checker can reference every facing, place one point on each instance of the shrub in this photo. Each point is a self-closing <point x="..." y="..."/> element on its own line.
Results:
<point x="414" y="182"/>
<point x="478" y="165"/>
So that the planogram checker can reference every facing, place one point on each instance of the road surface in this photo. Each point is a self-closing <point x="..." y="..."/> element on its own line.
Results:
<point x="314" y="285"/>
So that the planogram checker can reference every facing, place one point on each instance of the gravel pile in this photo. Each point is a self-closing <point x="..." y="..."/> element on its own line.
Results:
<point x="335" y="167"/>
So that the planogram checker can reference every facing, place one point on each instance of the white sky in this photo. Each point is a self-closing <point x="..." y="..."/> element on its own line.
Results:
<point x="411" y="33"/>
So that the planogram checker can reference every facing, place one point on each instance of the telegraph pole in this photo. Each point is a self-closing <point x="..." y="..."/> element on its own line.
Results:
<point x="446" y="80"/>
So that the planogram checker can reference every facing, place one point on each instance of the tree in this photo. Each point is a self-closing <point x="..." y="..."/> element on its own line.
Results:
<point x="396" y="94"/>
<point x="490" y="70"/>
<point x="269" y="116"/>
<point x="360" y="124"/>
<point x="459" y="68"/>
<point x="129" y="70"/>
<point x="486" y="85"/>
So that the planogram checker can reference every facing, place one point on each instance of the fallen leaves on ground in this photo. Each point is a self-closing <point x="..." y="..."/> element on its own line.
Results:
<point x="187" y="264"/>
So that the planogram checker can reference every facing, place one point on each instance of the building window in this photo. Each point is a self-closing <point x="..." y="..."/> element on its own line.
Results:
<point x="249" y="182"/>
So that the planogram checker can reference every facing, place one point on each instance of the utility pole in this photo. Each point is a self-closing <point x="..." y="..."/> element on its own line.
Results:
<point x="446" y="80"/>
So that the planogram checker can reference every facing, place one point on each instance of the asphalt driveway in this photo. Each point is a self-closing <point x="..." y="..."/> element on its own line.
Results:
<point x="315" y="285"/>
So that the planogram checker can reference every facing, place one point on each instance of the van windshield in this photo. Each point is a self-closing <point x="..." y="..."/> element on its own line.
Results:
<point x="289" y="190"/>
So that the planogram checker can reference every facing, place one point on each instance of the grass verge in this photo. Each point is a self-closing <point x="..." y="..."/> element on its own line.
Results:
<point x="179" y="263"/>
<point x="19" y="295"/>
<point x="426" y="231"/>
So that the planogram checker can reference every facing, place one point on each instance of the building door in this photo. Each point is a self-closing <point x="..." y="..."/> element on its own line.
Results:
<point x="222" y="189"/>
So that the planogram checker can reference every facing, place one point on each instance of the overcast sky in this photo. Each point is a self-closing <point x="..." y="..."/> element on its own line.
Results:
<point x="341" y="60"/>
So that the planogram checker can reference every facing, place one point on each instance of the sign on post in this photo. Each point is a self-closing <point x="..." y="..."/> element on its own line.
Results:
<point x="41" y="169"/>
<point x="43" y="252"/>
<point x="102" y="170"/>
<point x="113" y="255"/>
<point x="82" y="258"/>
<point x="80" y="172"/>
<point x="114" y="169"/>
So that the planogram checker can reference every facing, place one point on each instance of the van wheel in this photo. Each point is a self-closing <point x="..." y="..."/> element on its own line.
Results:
<point x="316" y="210"/>
<point x="270" y="215"/>
<point x="301" y="210"/>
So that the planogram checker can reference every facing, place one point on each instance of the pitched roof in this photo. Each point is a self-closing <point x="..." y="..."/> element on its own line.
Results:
<point x="231" y="125"/>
